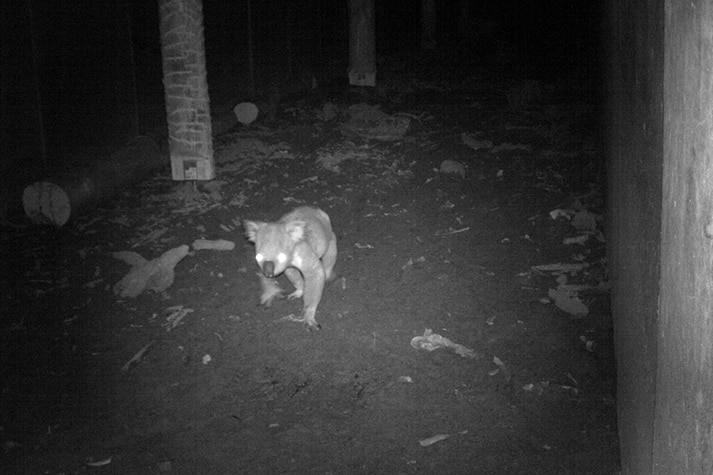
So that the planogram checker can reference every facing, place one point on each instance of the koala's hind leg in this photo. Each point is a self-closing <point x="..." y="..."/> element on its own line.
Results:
<point x="329" y="259"/>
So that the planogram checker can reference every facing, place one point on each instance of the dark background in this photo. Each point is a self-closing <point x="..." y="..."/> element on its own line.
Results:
<point x="88" y="74"/>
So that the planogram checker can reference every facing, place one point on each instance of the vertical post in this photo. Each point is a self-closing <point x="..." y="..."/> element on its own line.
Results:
<point x="683" y="433"/>
<point x="428" y="25"/>
<point x="362" y="49"/>
<point x="186" y="89"/>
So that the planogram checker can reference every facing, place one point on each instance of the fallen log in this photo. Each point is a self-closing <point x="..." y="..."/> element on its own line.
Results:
<point x="73" y="192"/>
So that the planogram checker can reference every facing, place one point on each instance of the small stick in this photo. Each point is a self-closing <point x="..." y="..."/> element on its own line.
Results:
<point x="137" y="357"/>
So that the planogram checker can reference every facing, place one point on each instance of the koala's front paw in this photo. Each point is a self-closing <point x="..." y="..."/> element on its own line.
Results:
<point x="311" y="323"/>
<point x="270" y="290"/>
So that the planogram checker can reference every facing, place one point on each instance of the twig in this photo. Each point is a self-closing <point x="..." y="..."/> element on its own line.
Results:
<point x="137" y="357"/>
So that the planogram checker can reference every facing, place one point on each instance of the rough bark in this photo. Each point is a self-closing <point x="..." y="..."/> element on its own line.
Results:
<point x="186" y="89"/>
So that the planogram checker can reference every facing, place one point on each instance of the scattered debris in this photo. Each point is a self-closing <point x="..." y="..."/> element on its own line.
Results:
<point x="385" y="172"/>
<point x="561" y="213"/>
<point x="329" y="111"/>
<point x="136" y="359"/>
<point x="174" y="315"/>
<point x="188" y="193"/>
<point x="437" y="438"/>
<point x="99" y="463"/>
<point x="559" y="268"/>
<point x="447" y="205"/>
<point x="584" y="220"/>
<point x="537" y="388"/>
<point x="432" y="341"/>
<point x="369" y="122"/>
<point x="472" y="142"/>
<point x="93" y="283"/>
<point x="570" y="388"/>
<point x="540" y="387"/>
<point x="589" y="344"/>
<point x="581" y="239"/>
<point x="246" y="153"/>
<point x="213" y="188"/>
<point x="151" y="237"/>
<point x="406" y="269"/>
<point x="501" y="369"/>
<point x="566" y="298"/>
<point x="156" y="274"/>
<point x="451" y="167"/>
<point x="452" y="231"/>
<point x="412" y="261"/>
<point x="215" y="245"/>
<point x="331" y="159"/>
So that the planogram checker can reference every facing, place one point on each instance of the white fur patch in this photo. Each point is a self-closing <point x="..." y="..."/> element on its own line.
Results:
<point x="297" y="261"/>
<point x="259" y="258"/>
<point x="281" y="258"/>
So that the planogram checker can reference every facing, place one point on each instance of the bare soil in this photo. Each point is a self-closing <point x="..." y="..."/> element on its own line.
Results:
<point x="233" y="388"/>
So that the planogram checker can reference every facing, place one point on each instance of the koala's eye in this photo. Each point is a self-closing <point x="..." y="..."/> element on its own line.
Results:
<point x="281" y="258"/>
<point x="259" y="258"/>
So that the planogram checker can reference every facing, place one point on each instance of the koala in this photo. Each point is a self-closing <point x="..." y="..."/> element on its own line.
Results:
<point x="303" y="246"/>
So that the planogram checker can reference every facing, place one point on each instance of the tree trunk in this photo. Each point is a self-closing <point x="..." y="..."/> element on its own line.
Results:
<point x="428" y="25"/>
<point x="362" y="43"/>
<point x="186" y="89"/>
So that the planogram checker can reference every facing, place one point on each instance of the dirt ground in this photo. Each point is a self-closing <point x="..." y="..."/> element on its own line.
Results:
<point x="234" y="388"/>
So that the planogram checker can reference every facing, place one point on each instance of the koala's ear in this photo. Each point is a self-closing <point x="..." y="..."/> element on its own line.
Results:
<point x="252" y="228"/>
<point x="295" y="229"/>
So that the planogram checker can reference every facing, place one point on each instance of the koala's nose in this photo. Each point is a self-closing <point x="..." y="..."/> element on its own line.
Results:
<point x="268" y="269"/>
